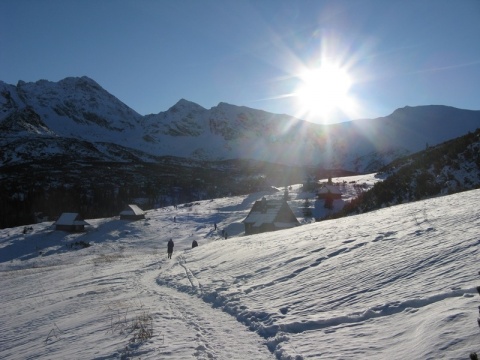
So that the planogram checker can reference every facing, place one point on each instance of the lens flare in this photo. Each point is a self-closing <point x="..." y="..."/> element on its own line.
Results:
<point x="323" y="90"/>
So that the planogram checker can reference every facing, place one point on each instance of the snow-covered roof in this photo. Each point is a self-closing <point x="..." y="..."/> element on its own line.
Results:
<point x="265" y="212"/>
<point x="132" y="210"/>
<point x="333" y="189"/>
<point x="70" y="219"/>
<point x="259" y="218"/>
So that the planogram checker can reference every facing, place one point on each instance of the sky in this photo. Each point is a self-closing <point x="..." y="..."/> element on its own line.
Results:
<point x="321" y="61"/>
<point x="398" y="283"/>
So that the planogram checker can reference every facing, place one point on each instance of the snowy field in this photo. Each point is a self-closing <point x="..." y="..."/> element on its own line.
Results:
<point x="397" y="283"/>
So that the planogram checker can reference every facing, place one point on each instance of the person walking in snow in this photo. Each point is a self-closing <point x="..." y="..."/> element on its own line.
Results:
<point x="170" y="248"/>
<point x="194" y="244"/>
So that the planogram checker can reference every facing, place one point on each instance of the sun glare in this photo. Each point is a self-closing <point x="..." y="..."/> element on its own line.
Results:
<point x="323" y="90"/>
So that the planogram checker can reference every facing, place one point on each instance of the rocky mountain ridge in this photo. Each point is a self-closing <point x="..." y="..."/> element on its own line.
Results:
<point x="36" y="117"/>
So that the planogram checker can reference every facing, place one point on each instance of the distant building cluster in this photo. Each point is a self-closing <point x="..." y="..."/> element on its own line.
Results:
<point x="73" y="222"/>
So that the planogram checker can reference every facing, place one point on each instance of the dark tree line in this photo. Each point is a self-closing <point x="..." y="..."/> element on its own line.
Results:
<point x="103" y="189"/>
<point x="97" y="198"/>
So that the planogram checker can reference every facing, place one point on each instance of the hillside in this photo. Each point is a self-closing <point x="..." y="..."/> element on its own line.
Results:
<point x="394" y="283"/>
<point x="447" y="168"/>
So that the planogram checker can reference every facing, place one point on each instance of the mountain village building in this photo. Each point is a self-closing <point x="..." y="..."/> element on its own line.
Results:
<point x="132" y="212"/>
<point x="269" y="215"/>
<point x="329" y="192"/>
<point x="72" y="222"/>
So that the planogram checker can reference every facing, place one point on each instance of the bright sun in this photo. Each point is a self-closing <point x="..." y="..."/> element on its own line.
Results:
<point x="323" y="90"/>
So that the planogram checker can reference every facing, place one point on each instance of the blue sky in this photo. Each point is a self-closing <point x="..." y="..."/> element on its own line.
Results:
<point x="150" y="54"/>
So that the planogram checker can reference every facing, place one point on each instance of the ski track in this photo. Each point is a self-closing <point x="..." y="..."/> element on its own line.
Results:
<point x="224" y="317"/>
<point x="216" y="333"/>
<point x="213" y="334"/>
<point x="275" y="333"/>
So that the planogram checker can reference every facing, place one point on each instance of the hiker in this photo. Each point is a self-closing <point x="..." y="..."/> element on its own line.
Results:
<point x="194" y="244"/>
<point x="215" y="226"/>
<point x="226" y="235"/>
<point x="170" y="248"/>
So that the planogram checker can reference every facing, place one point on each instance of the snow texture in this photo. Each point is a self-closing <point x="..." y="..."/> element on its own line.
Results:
<point x="397" y="283"/>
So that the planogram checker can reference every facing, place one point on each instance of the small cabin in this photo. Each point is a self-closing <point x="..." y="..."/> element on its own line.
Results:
<point x="269" y="215"/>
<point x="71" y="222"/>
<point x="329" y="192"/>
<point x="132" y="212"/>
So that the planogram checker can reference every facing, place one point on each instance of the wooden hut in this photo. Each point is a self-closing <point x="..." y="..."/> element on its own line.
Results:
<point x="269" y="215"/>
<point x="132" y="212"/>
<point x="72" y="222"/>
<point x="329" y="192"/>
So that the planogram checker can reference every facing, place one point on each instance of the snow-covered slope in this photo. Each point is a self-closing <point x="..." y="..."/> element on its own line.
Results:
<point x="394" y="283"/>
<point x="79" y="108"/>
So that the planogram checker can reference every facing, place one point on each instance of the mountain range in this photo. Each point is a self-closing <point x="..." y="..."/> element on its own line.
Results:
<point x="72" y="146"/>
<point x="76" y="117"/>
